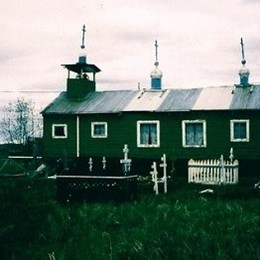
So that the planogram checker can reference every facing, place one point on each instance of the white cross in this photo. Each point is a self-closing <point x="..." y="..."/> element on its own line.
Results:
<point x="90" y="162"/>
<point x="154" y="174"/>
<point x="231" y="156"/>
<point x="104" y="162"/>
<point x="126" y="161"/>
<point x="125" y="151"/>
<point x="164" y="166"/>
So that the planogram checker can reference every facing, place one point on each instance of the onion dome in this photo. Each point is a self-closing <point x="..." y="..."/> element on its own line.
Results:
<point x="156" y="73"/>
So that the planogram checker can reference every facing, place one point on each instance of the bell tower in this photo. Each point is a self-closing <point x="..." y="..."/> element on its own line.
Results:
<point x="84" y="79"/>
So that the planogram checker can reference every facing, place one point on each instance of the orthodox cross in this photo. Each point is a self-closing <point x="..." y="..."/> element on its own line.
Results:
<point x="126" y="161"/>
<point x="156" y="51"/>
<point x="164" y="166"/>
<point x="231" y="156"/>
<point x="154" y="174"/>
<point x="83" y="37"/>
<point x="243" y="54"/>
<point x="90" y="162"/>
<point x="104" y="162"/>
<point x="155" y="178"/>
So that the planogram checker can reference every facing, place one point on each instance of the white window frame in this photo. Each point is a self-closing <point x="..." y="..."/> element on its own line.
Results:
<point x="93" y="124"/>
<point x="232" y="137"/>
<point x="60" y="136"/>
<point x="139" y="123"/>
<point x="204" y="128"/>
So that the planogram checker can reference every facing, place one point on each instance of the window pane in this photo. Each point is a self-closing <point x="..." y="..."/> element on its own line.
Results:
<point x="153" y="134"/>
<point x="144" y="134"/>
<point x="99" y="130"/>
<point x="199" y="134"/>
<point x="190" y="134"/>
<point x="148" y="134"/>
<point x="240" y="130"/>
<point x="194" y="134"/>
<point x="59" y="131"/>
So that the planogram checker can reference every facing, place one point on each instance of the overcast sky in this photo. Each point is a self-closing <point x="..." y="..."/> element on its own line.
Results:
<point x="199" y="41"/>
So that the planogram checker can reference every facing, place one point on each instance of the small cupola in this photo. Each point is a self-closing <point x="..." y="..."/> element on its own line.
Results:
<point x="244" y="71"/>
<point x="81" y="75"/>
<point x="156" y="74"/>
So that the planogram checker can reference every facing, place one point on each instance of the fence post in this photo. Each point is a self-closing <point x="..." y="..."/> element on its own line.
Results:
<point x="236" y="164"/>
<point x="222" y="169"/>
<point x="189" y="171"/>
<point x="231" y="156"/>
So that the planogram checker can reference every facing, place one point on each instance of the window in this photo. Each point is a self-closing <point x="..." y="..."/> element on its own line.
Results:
<point x="194" y="133"/>
<point x="59" y="131"/>
<point x="148" y="134"/>
<point x="239" y="130"/>
<point x="99" y="130"/>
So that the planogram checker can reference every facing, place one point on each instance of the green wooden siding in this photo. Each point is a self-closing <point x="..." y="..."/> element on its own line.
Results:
<point x="122" y="129"/>
<point x="60" y="148"/>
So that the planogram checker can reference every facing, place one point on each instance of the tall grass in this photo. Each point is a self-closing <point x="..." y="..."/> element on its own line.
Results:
<point x="177" y="225"/>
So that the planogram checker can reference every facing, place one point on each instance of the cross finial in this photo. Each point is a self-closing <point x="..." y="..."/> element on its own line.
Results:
<point x="156" y="51"/>
<point x="83" y="37"/>
<point x="243" y="54"/>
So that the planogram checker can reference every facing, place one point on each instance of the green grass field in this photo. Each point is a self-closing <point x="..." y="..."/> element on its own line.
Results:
<point x="179" y="225"/>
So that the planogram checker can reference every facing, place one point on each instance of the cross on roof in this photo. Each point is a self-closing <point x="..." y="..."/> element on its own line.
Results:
<point x="242" y="49"/>
<point x="83" y="37"/>
<point x="156" y="50"/>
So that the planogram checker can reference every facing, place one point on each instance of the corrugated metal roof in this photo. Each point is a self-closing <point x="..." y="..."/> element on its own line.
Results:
<point x="180" y="100"/>
<point x="246" y="98"/>
<point x="147" y="100"/>
<point x="212" y="98"/>
<point x="93" y="102"/>
<point x="106" y="102"/>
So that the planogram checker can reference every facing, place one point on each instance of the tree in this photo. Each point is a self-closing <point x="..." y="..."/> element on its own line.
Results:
<point x="19" y="122"/>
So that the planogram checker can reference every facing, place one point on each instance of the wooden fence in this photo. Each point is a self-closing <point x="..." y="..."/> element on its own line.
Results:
<point x="213" y="171"/>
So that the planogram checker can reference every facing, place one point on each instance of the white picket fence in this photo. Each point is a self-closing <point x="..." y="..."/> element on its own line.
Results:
<point x="215" y="171"/>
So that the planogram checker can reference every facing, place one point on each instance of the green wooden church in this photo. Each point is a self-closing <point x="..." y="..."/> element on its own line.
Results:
<point x="83" y="123"/>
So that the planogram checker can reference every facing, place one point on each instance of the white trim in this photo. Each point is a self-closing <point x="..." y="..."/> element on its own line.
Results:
<point x="93" y="124"/>
<point x="24" y="157"/>
<point x="65" y="131"/>
<point x="204" y="126"/>
<point x="232" y="138"/>
<point x="157" y="122"/>
<point x="77" y="137"/>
